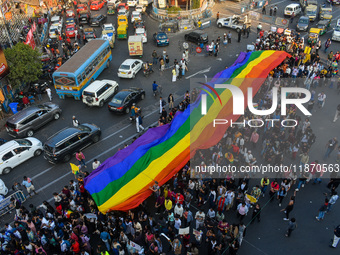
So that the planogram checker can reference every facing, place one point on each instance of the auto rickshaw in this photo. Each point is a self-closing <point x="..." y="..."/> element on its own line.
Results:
<point x="323" y="25"/>
<point x="111" y="9"/>
<point x="313" y="36"/>
<point x="122" y="31"/>
<point x="122" y="20"/>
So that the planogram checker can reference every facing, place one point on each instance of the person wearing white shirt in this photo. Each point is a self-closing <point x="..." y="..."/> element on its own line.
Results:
<point x="95" y="164"/>
<point x="178" y="210"/>
<point x="321" y="99"/>
<point x="211" y="213"/>
<point x="178" y="223"/>
<point x="200" y="217"/>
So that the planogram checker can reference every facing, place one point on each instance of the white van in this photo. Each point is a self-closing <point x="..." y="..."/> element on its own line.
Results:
<point x="98" y="92"/>
<point x="296" y="8"/>
<point x="336" y="32"/>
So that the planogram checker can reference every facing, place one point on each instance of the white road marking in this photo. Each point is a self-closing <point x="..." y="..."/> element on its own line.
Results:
<point x="199" y="72"/>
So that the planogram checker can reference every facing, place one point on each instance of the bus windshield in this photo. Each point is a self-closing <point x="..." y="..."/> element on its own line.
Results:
<point x="65" y="81"/>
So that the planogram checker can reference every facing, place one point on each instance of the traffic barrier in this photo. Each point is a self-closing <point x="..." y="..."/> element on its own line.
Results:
<point x="6" y="204"/>
<point x="202" y="24"/>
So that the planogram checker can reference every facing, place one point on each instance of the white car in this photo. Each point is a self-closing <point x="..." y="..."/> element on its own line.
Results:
<point x="132" y="3"/>
<point x="142" y="33"/>
<point x="108" y="28"/>
<point x="52" y="33"/>
<point x="140" y="8"/>
<point x="135" y="15"/>
<point x="123" y="11"/>
<point x="17" y="151"/>
<point x="98" y="92"/>
<point x="292" y="8"/>
<point x="56" y="20"/>
<point x="3" y="188"/>
<point x="129" y="68"/>
<point x="336" y="32"/>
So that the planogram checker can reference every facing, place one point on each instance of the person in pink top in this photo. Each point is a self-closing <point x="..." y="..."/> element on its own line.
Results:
<point x="81" y="158"/>
<point x="254" y="138"/>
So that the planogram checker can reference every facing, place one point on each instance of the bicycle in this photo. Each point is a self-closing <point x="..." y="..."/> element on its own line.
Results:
<point x="158" y="91"/>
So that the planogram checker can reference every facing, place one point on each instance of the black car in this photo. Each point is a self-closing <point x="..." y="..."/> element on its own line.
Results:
<point x="89" y="34"/>
<point x="97" y="20"/>
<point x="197" y="37"/>
<point x="123" y="100"/>
<point x="84" y="18"/>
<point x="61" y="146"/>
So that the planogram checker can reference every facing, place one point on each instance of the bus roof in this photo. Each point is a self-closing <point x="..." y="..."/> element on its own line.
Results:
<point x="75" y="62"/>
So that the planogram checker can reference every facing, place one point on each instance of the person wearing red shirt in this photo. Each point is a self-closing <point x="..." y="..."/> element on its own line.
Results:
<point x="25" y="101"/>
<point x="274" y="188"/>
<point x="236" y="149"/>
<point x="179" y="198"/>
<point x="75" y="247"/>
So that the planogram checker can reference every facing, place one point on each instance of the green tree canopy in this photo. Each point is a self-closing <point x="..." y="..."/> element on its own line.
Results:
<point x="24" y="64"/>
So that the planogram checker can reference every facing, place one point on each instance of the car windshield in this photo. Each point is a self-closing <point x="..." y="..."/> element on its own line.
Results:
<point x="124" y="67"/>
<point x="122" y="20"/>
<point x="23" y="142"/>
<point x="303" y="21"/>
<point x="69" y="21"/>
<point x="44" y="106"/>
<point x="328" y="12"/>
<point x="70" y="29"/>
<point x="311" y="12"/>
<point x="89" y="34"/>
<point x="289" y="9"/>
<point x="162" y="36"/>
<point x="91" y="94"/>
<point x="139" y="33"/>
<point x="84" y="128"/>
<point x="69" y="12"/>
<point x="53" y="29"/>
<point x="108" y="28"/>
<point x="337" y="29"/>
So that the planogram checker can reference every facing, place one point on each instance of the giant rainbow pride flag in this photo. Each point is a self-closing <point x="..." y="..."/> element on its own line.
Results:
<point x="122" y="182"/>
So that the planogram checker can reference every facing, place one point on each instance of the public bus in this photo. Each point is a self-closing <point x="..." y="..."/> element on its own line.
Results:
<point x="82" y="69"/>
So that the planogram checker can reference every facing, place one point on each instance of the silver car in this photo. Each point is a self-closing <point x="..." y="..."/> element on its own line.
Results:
<point x="28" y="120"/>
<point x="302" y="24"/>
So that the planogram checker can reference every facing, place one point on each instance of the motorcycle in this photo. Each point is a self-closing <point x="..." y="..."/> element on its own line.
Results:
<point x="147" y="69"/>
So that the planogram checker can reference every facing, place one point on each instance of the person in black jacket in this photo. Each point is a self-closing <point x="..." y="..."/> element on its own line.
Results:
<point x="336" y="237"/>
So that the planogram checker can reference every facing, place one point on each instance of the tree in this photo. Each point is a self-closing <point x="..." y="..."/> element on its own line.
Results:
<point x="24" y="64"/>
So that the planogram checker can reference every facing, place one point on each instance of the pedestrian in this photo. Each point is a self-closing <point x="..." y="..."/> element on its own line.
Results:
<point x="239" y="34"/>
<point x="274" y="188"/>
<point x="330" y="147"/>
<point x="289" y="207"/>
<point x="242" y="210"/>
<point x="241" y="232"/>
<point x="327" y="44"/>
<point x="154" y="57"/>
<point x="291" y="226"/>
<point x="256" y="213"/>
<point x="81" y="158"/>
<point x="174" y="75"/>
<point x="322" y="210"/>
<point x="186" y="55"/>
<point x="139" y="122"/>
<point x="321" y="99"/>
<point x="332" y="201"/>
<point x="248" y="31"/>
<point x="337" y="113"/>
<point x="49" y="93"/>
<point x="271" y="11"/>
<point x="229" y="37"/>
<point x="200" y="217"/>
<point x="217" y="15"/>
<point x="171" y="101"/>
<point x="38" y="92"/>
<point x="95" y="164"/>
<point x="27" y="182"/>
<point x="75" y="122"/>
<point x="292" y="17"/>
<point x="161" y="104"/>
<point x="275" y="10"/>
<point x="264" y="184"/>
<point x="162" y="64"/>
<point x="167" y="61"/>
<point x="264" y="9"/>
<point x="336" y="237"/>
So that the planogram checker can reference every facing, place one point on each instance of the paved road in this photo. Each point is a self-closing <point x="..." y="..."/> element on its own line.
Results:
<point x="117" y="130"/>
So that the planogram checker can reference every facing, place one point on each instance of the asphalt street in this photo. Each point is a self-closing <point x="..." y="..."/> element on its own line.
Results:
<point x="267" y="237"/>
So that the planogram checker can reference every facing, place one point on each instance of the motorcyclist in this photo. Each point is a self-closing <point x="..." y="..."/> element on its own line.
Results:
<point x="133" y="111"/>
<point x="259" y="28"/>
<point x="154" y="87"/>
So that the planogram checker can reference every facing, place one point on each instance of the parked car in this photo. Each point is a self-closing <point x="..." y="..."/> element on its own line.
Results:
<point x="17" y="151"/>
<point x="129" y="68"/>
<point x="70" y="13"/>
<point x="123" y="100"/>
<point x="197" y="37"/>
<point x="302" y="24"/>
<point x="61" y="146"/>
<point x="97" y="5"/>
<point x="84" y="18"/>
<point x="3" y="188"/>
<point x="81" y="7"/>
<point x="98" y="92"/>
<point x="70" y="21"/>
<point x="30" y="119"/>
<point x="89" y="34"/>
<point x="161" y="39"/>
<point x="142" y="33"/>
<point x="135" y="16"/>
<point x="71" y="31"/>
<point x="97" y="20"/>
